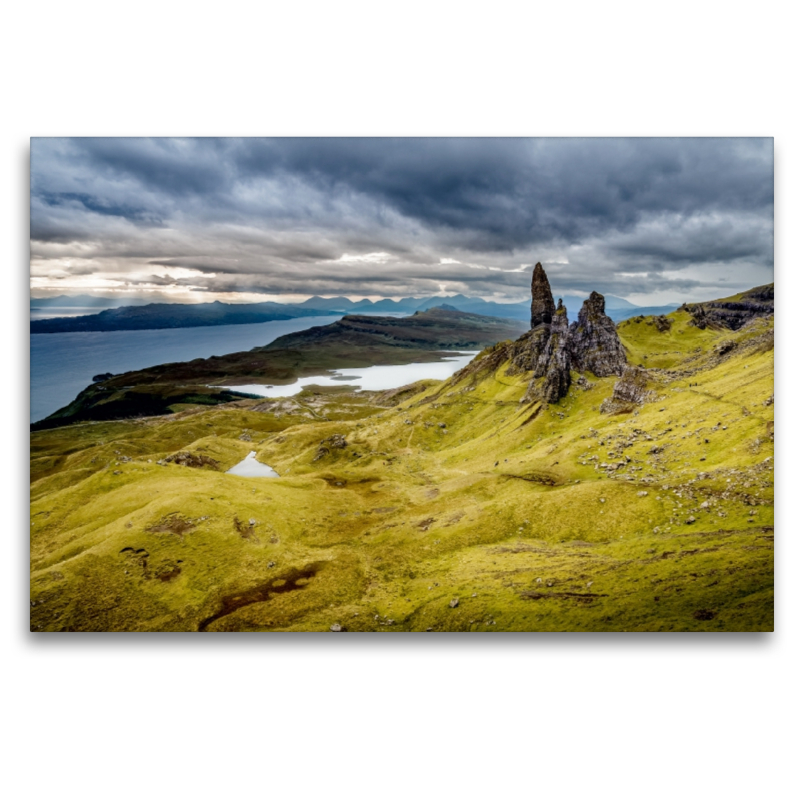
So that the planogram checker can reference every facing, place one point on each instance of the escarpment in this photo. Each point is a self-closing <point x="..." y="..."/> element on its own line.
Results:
<point x="733" y="314"/>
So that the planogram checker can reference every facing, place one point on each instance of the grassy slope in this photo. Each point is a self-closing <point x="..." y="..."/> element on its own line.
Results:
<point x="513" y="516"/>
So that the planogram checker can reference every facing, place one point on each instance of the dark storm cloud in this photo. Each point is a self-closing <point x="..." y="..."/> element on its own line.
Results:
<point x="507" y="193"/>
<point x="381" y="216"/>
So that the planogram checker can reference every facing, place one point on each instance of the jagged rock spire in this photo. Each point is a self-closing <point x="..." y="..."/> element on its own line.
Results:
<point x="542" y="306"/>
<point x="594" y="341"/>
<point x="553" y="347"/>
<point x="555" y="361"/>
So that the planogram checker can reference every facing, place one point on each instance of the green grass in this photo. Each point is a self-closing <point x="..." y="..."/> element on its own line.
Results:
<point x="513" y="516"/>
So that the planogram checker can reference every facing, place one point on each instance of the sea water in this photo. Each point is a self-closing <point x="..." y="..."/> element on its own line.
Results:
<point x="63" y="364"/>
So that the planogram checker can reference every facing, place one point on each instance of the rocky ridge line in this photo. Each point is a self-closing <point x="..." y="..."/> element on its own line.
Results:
<point x="733" y="314"/>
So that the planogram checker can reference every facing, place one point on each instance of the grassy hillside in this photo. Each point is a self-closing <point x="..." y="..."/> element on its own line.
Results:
<point x="451" y="506"/>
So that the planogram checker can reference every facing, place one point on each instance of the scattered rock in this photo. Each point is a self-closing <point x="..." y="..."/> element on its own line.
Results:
<point x="336" y="627"/>
<point x="335" y="442"/>
<point x="454" y="602"/>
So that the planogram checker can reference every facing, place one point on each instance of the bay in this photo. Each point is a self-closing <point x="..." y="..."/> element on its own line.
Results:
<point x="62" y="364"/>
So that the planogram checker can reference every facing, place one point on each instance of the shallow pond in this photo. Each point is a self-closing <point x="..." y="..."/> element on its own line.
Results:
<point x="376" y="378"/>
<point x="250" y="468"/>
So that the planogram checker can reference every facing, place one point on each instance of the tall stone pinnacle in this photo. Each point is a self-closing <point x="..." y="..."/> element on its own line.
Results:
<point x="542" y="305"/>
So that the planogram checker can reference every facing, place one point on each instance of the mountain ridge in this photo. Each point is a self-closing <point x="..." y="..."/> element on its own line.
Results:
<point x="155" y="316"/>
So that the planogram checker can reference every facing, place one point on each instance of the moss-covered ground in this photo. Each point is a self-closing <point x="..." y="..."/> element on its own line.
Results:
<point x="452" y="507"/>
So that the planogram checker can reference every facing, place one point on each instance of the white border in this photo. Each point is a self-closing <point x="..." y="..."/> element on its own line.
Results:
<point x="644" y="716"/>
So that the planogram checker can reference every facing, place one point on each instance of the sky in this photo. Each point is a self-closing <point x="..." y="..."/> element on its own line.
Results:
<point x="652" y="220"/>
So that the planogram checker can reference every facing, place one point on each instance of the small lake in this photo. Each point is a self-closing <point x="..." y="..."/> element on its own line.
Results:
<point x="250" y="468"/>
<point x="376" y="378"/>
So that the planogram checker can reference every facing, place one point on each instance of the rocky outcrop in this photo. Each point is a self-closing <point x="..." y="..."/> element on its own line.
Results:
<point x="733" y="314"/>
<point x="195" y="460"/>
<point x="630" y="391"/>
<point x="594" y="343"/>
<point x="542" y="306"/>
<point x="662" y="323"/>
<point x="552" y="348"/>
<point x="335" y="442"/>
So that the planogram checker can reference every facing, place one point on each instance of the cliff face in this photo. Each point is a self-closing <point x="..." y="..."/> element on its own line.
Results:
<point x="733" y="314"/>
<point x="552" y="348"/>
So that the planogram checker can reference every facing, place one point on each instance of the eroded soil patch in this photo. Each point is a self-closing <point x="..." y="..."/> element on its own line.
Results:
<point x="173" y="523"/>
<point x="291" y="581"/>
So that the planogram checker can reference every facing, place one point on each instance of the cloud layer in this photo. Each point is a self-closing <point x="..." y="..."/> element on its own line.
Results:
<point x="653" y="220"/>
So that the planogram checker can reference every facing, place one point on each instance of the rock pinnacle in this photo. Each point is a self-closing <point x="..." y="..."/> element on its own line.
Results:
<point x="542" y="306"/>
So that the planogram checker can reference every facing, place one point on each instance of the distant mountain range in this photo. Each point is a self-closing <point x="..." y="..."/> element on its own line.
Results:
<point x="174" y="315"/>
<point x="471" y="305"/>
<point x="182" y="315"/>
<point x="84" y="301"/>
